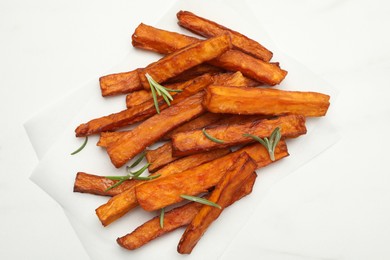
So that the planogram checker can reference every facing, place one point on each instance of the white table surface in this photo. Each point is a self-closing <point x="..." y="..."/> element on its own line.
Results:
<point x="48" y="48"/>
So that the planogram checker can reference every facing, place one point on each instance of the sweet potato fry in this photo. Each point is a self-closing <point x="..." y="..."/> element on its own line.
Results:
<point x="160" y="157"/>
<point x="195" y="141"/>
<point x="151" y="130"/>
<point x="122" y="203"/>
<point x="197" y="123"/>
<point x="140" y="112"/>
<point x="173" y="219"/>
<point x="120" y="83"/>
<point x="207" y="28"/>
<point x="93" y="184"/>
<point x="237" y="100"/>
<point x="161" y="41"/>
<point x="163" y="156"/>
<point x="137" y="97"/>
<point x="166" y="191"/>
<point x="184" y="59"/>
<point x="195" y="72"/>
<point x="222" y="195"/>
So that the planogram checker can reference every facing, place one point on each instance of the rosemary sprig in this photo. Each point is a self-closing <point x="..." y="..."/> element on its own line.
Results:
<point x="81" y="147"/>
<point x="269" y="143"/>
<point x="211" y="137"/>
<point x="200" y="200"/>
<point x="159" y="90"/>
<point x="131" y="175"/>
<point x="162" y="213"/>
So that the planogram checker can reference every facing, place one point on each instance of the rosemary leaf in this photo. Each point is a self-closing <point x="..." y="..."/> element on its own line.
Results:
<point x="139" y="172"/>
<point x="148" y="178"/>
<point x="200" y="200"/>
<point x="140" y="158"/>
<point x="162" y="213"/>
<point x="115" y="185"/>
<point x="269" y="144"/>
<point x="81" y="147"/>
<point x="212" y="138"/>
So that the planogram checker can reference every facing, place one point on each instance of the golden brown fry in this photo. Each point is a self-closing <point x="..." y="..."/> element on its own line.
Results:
<point x="98" y="185"/>
<point x="151" y="130"/>
<point x="184" y="59"/>
<point x="196" y="141"/>
<point x="223" y="194"/>
<point x="207" y="28"/>
<point x="166" y="191"/>
<point x="120" y="83"/>
<point x="140" y="112"/>
<point x="235" y="100"/>
<point x="173" y="219"/>
<point x="148" y="37"/>
<point x="122" y="203"/>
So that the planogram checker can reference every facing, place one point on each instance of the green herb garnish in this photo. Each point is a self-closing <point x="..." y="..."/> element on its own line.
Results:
<point x="159" y="90"/>
<point x="131" y="175"/>
<point x="81" y="147"/>
<point x="212" y="138"/>
<point x="162" y="213"/>
<point x="140" y="158"/>
<point x="269" y="144"/>
<point x="200" y="200"/>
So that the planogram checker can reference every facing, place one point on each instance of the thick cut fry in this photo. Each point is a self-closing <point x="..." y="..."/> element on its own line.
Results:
<point x="195" y="141"/>
<point x="222" y="195"/>
<point x="122" y="203"/>
<point x="98" y="185"/>
<point x="197" y="123"/>
<point x="161" y="41"/>
<point x="166" y="191"/>
<point x="184" y="59"/>
<point x="237" y="100"/>
<point x="151" y="130"/>
<point x="207" y="28"/>
<point x="120" y="83"/>
<point x="173" y="219"/>
<point x="140" y="112"/>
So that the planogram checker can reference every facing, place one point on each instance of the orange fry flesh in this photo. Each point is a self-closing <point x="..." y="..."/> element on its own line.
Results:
<point x="222" y="195"/>
<point x="207" y="28"/>
<point x="236" y="100"/>
<point x="173" y="219"/>
<point x="162" y="41"/>
<point x="184" y="59"/>
<point x="122" y="203"/>
<point x="195" y="141"/>
<point x="166" y="191"/>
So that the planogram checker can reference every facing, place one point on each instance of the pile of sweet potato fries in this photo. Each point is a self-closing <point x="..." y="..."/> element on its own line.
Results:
<point x="220" y="96"/>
